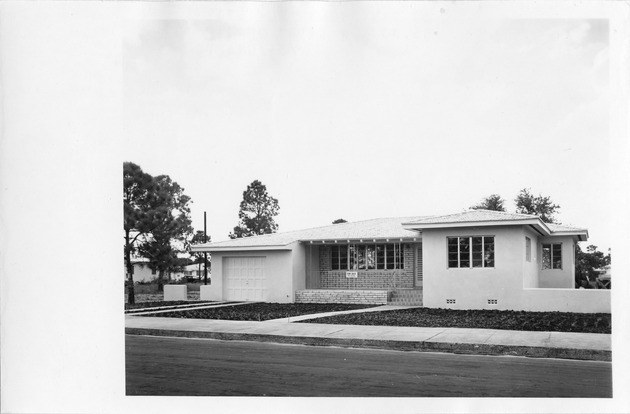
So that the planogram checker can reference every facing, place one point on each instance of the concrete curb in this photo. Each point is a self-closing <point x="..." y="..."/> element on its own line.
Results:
<point x="418" y="346"/>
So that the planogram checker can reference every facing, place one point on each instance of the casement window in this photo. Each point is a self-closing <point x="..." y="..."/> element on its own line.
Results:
<point x="528" y="249"/>
<point x="552" y="256"/>
<point x="367" y="257"/>
<point x="471" y="251"/>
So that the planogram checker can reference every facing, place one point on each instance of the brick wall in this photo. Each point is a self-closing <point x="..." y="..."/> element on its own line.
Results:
<point x="419" y="262"/>
<point x="377" y="297"/>
<point x="367" y="279"/>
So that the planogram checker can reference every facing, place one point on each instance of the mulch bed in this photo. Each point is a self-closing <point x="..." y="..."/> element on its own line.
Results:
<point x="161" y="303"/>
<point x="261" y="311"/>
<point x="485" y="319"/>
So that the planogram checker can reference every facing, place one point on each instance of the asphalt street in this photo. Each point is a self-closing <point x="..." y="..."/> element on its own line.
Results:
<point x="188" y="367"/>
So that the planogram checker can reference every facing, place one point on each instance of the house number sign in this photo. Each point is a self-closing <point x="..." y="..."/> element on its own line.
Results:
<point x="352" y="274"/>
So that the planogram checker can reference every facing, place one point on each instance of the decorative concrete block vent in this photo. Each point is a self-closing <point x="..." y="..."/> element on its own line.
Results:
<point x="175" y="292"/>
<point x="376" y="297"/>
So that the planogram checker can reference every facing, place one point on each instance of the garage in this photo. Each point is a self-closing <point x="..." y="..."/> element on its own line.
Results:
<point x="244" y="278"/>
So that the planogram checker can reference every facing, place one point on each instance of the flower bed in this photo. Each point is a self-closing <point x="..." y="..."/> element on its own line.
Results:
<point x="486" y="319"/>
<point x="260" y="311"/>
<point x="162" y="303"/>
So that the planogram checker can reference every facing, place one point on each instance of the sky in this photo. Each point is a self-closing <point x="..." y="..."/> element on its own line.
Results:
<point x="365" y="112"/>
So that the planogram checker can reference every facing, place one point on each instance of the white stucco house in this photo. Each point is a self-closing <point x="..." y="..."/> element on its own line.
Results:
<point x="141" y="270"/>
<point x="478" y="259"/>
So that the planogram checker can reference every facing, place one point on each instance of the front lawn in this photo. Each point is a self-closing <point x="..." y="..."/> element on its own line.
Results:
<point x="260" y="311"/>
<point x="486" y="319"/>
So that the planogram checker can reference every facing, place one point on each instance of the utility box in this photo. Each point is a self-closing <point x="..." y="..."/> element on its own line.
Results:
<point x="175" y="292"/>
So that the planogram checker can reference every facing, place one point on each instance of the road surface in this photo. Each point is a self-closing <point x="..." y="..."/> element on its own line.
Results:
<point x="185" y="366"/>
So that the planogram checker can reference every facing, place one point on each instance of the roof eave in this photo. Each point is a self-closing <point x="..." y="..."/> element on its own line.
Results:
<point x="582" y="235"/>
<point x="211" y="249"/>
<point x="490" y="223"/>
<point x="342" y="240"/>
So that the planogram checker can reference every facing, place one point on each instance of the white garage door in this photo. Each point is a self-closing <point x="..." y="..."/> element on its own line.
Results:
<point x="244" y="278"/>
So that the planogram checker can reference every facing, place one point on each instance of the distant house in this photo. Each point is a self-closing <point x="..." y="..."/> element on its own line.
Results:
<point x="478" y="259"/>
<point x="141" y="270"/>
<point x="195" y="271"/>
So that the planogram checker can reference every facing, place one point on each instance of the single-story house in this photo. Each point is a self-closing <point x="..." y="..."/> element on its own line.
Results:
<point x="141" y="270"/>
<point x="478" y="259"/>
<point x="143" y="273"/>
<point x="195" y="271"/>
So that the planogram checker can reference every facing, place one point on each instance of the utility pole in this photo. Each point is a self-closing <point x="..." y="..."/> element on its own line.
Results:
<point x="205" y="254"/>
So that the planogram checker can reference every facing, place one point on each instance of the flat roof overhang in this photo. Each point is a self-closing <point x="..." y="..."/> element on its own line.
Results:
<point x="536" y="224"/>
<point x="210" y="249"/>
<point x="581" y="235"/>
<point x="416" y="239"/>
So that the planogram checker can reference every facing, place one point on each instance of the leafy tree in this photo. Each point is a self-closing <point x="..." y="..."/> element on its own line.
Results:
<point x="492" y="202"/>
<point x="170" y="227"/>
<point x="199" y="257"/>
<point x="257" y="211"/>
<point x="138" y="204"/>
<point x="587" y="262"/>
<point x="339" y="221"/>
<point x="156" y="214"/>
<point x="543" y="207"/>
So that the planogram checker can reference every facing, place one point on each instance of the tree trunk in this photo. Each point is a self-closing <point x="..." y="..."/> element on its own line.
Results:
<point x="131" y="297"/>
<point x="161" y="281"/>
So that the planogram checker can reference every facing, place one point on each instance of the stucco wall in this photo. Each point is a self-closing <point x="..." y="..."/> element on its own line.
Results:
<point x="142" y="273"/>
<point x="567" y="300"/>
<point x="299" y="269"/>
<point x="558" y="278"/>
<point x="509" y="281"/>
<point x="471" y="288"/>
<point x="531" y="268"/>
<point x="279" y="271"/>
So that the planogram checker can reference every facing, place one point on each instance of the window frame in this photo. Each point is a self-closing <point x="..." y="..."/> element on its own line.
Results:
<point x="552" y="247"/>
<point x="471" y="247"/>
<point x="366" y="257"/>
<point x="528" y="249"/>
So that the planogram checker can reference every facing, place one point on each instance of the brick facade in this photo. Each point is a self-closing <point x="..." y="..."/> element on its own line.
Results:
<point x="367" y="279"/>
<point x="376" y="297"/>
<point x="419" y="265"/>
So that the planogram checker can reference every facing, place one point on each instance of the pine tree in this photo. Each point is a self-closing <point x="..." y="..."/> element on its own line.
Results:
<point x="257" y="212"/>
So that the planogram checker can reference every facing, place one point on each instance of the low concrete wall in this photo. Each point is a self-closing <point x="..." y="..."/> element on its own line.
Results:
<point x="376" y="297"/>
<point x="567" y="300"/>
<point x="175" y="292"/>
<point x="207" y="293"/>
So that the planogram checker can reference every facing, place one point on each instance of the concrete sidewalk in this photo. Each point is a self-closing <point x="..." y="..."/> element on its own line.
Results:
<point x="477" y="341"/>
